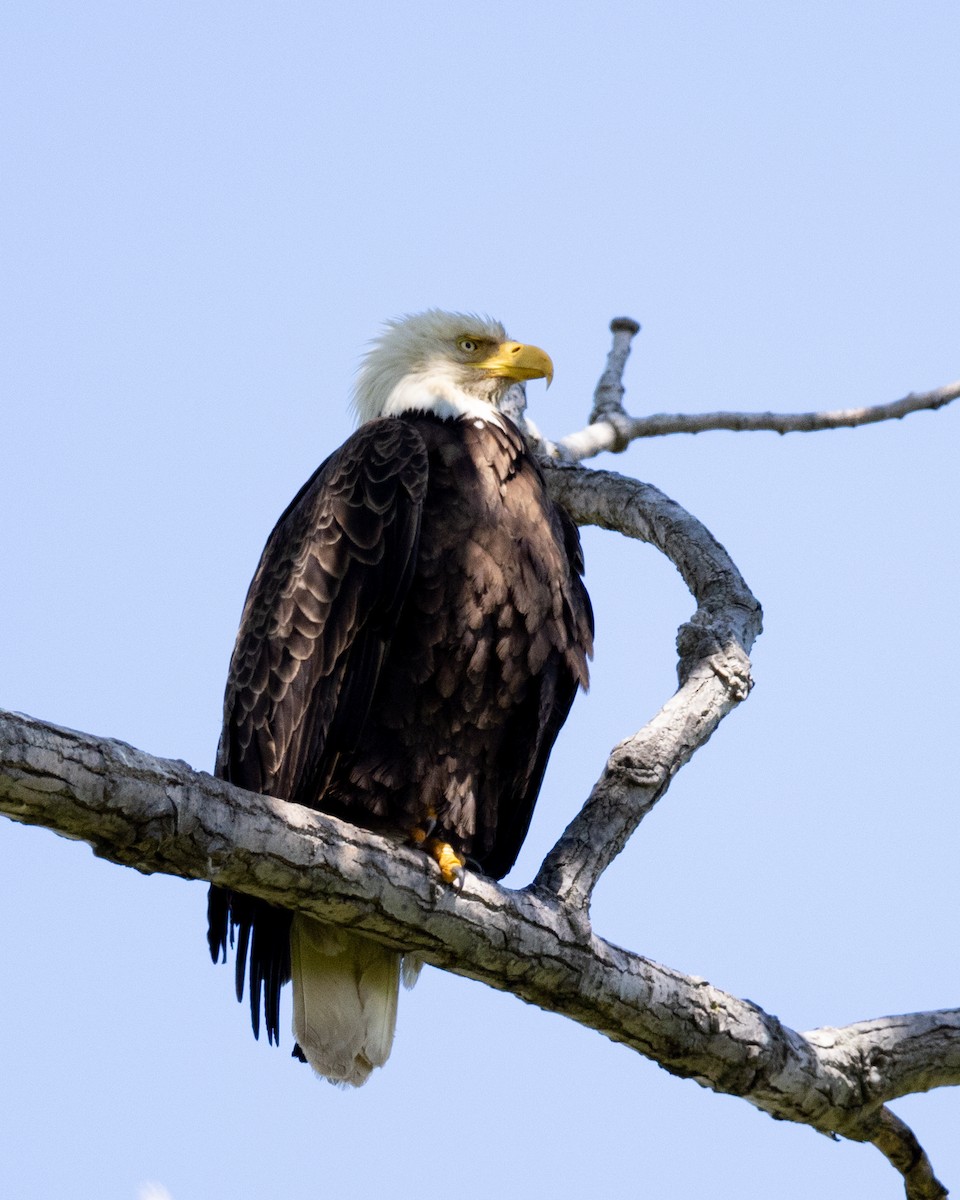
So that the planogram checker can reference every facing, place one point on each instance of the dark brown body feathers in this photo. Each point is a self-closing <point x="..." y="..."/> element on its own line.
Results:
<point x="410" y="646"/>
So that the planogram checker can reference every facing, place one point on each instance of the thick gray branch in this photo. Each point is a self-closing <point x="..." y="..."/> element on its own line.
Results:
<point x="714" y="672"/>
<point x="159" y="815"/>
<point x="898" y="1055"/>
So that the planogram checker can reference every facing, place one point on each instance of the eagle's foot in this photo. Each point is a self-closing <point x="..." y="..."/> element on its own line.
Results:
<point x="419" y="834"/>
<point x="451" y="863"/>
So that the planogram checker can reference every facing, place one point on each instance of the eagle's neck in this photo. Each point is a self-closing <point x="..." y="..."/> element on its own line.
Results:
<point x="436" y="391"/>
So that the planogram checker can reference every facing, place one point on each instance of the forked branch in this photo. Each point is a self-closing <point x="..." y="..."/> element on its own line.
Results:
<point x="612" y="428"/>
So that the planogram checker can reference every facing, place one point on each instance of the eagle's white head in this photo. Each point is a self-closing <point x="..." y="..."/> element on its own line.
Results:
<point x="450" y="364"/>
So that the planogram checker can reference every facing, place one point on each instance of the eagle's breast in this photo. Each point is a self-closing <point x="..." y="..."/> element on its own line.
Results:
<point x="482" y="652"/>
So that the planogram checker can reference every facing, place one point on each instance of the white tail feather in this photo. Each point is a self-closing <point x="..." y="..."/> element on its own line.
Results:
<point x="345" y="992"/>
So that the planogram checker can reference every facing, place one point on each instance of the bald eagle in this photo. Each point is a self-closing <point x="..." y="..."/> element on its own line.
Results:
<point x="410" y="646"/>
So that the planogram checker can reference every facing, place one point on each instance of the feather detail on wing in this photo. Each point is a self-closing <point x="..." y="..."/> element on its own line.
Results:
<point x="320" y="611"/>
<point x="321" y="607"/>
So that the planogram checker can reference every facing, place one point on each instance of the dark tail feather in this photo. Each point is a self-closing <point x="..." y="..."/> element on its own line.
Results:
<point x="262" y="935"/>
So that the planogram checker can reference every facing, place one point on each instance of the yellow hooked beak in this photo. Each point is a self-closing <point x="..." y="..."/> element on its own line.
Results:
<point x="515" y="360"/>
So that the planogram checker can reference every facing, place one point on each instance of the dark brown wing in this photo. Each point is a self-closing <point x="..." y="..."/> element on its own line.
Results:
<point x="318" y="616"/>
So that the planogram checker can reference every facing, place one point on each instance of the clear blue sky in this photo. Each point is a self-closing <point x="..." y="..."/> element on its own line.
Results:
<point x="207" y="210"/>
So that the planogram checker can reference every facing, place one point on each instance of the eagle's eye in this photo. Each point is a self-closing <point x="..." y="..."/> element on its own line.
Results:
<point x="468" y="345"/>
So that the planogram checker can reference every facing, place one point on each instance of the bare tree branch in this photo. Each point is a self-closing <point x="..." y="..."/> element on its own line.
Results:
<point x="612" y="428"/>
<point x="898" y="1055"/>
<point x="159" y="815"/>
<point x="714" y="672"/>
<point x="608" y="396"/>
<point x="899" y="1144"/>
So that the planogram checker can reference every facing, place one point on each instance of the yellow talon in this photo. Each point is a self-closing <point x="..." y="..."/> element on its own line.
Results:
<point x="451" y="863"/>
<point x="420" y="833"/>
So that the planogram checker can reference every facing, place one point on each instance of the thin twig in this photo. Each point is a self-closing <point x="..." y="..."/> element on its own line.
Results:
<point x="608" y="397"/>
<point x="603" y="435"/>
<point x="612" y="428"/>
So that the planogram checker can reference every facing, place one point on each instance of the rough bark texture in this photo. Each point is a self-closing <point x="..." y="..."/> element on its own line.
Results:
<point x="159" y="815"/>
